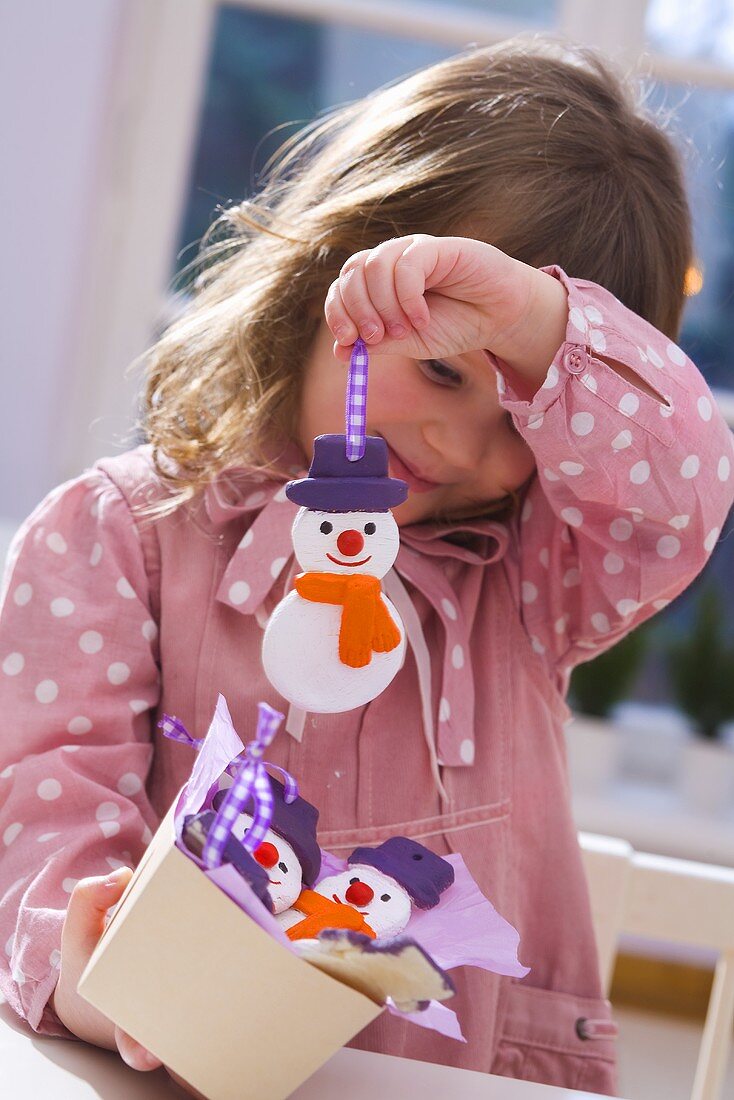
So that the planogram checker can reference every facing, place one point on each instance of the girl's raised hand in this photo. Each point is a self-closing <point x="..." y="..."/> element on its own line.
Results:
<point x="427" y="297"/>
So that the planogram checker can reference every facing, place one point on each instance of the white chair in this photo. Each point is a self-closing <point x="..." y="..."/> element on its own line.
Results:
<point x="678" y="901"/>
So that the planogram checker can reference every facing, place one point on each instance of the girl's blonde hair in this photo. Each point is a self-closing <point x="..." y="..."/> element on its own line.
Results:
<point x="535" y="146"/>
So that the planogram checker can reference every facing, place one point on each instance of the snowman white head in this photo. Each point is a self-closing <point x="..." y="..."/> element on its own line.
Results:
<point x="345" y="542"/>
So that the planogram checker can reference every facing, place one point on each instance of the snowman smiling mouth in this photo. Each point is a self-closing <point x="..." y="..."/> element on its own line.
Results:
<point x="353" y="564"/>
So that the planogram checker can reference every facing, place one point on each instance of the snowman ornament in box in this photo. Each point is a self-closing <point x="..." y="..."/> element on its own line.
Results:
<point x="336" y="641"/>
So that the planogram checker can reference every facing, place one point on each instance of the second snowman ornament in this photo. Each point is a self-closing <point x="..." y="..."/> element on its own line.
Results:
<point x="336" y="641"/>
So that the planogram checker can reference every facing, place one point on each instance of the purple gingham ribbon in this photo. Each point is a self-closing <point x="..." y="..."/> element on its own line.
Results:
<point x="175" y="730"/>
<point x="251" y="781"/>
<point x="356" y="414"/>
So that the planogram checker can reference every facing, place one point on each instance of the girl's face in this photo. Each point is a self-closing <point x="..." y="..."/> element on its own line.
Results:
<point x="446" y="433"/>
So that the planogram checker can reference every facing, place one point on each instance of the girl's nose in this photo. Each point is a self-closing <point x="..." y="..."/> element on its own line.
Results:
<point x="350" y="543"/>
<point x="359" y="893"/>
<point x="266" y="854"/>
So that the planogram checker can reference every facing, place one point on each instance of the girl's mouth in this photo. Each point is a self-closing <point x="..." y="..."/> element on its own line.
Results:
<point x="405" y="473"/>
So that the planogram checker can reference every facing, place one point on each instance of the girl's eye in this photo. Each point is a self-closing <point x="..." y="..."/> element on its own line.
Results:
<point x="439" y="372"/>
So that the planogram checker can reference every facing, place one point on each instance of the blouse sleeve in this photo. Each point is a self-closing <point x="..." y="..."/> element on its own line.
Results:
<point x="631" y="490"/>
<point x="78" y="674"/>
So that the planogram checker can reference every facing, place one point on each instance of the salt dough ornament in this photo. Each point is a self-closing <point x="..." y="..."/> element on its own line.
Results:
<point x="336" y="641"/>
<point x="382" y="885"/>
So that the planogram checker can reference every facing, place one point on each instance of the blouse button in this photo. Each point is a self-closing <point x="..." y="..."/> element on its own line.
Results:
<point x="575" y="359"/>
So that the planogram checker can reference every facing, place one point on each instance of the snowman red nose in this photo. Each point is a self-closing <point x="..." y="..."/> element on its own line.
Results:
<point x="359" y="893"/>
<point x="266" y="854"/>
<point x="350" y="543"/>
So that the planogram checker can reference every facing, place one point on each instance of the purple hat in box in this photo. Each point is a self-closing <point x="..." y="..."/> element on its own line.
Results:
<point x="296" y="823"/>
<point x="420" y="871"/>
<point x="338" y="484"/>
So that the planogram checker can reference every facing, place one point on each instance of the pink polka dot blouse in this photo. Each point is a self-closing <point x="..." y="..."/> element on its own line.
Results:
<point x="104" y="625"/>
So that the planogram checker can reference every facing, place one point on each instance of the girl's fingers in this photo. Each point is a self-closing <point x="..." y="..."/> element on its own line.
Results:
<point x="410" y="283"/>
<point x="337" y="317"/>
<point x="85" y="916"/>
<point x="136" y="1056"/>
<point x="380" y="269"/>
<point x="356" y="300"/>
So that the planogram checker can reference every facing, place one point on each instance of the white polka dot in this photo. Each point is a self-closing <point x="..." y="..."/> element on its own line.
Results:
<point x="125" y="589"/>
<point x="91" y="641"/>
<point x="254" y="499"/>
<point x="621" y="529"/>
<point x="613" y="563"/>
<point x="13" y="664"/>
<point x="590" y="382"/>
<point x="593" y="314"/>
<point x="637" y="514"/>
<point x="47" y="691"/>
<point x="106" y="811"/>
<point x="79" y="725"/>
<point x="705" y="410"/>
<point x="48" y="789"/>
<point x="56" y="542"/>
<point x="118" y="672"/>
<point x="537" y="645"/>
<point x="571" y="578"/>
<point x="668" y="546"/>
<point x="544" y="557"/>
<point x="710" y="541"/>
<point x="68" y="884"/>
<point x="109" y="828"/>
<point x="643" y="357"/>
<point x="9" y="945"/>
<point x="444" y="710"/>
<point x="629" y="404"/>
<point x="582" y="423"/>
<point x="600" y="622"/>
<point x="690" y="467"/>
<point x="675" y="354"/>
<point x="61" y="607"/>
<point x="246" y="539"/>
<point x="653" y="356"/>
<point x="149" y="630"/>
<point x="565" y="535"/>
<point x="560" y="624"/>
<point x="96" y="556"/>
<point x="551" y="379"/>
<point x="146" y="835"/>
<point x="529" y="592"/>
<point x="597" y="339"/>
<point x="679" y="522"/>
<point x="277" y="566"/>
<point x="129" y="783"/>
<point x="550" y="475"/>
<point x="666" y="410"/>
<point x="628" y="607"/>
<point x="572" y="469"/>
<point x="7" y="772"/>
<point x="280" y="496"/>
<point x="466" y="751"/>
<point x="640" y="472"/>
<point x="572" y="516"/>
<point x="115" y="864"/>
<point x="577" y="319"/>
<point x="660" y="604"/>
<point x="23" y="594"/>
<point x="94" y="507"/>
<point x="527" y="510"/>
<point x="11" y="833"/>
<point x="239" y="592"/>
<point x="624" y="439"/>
<point x="449" y="609"/>
<point x="70" y="748"/>
<point x="55" y="958"/>
<point x="457" y="657"/>
<point x="724" y="468"/>
<point x="500" y="382"/>
<point x="46" y="836"/>
<point x="137" y="706"/>
<point x="536" y="421"/>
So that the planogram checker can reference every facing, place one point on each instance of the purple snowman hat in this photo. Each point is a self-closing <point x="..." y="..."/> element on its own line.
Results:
<point x="295" y="822"/>
<point x="336" y="483"/>
<point x="420" y="871"/>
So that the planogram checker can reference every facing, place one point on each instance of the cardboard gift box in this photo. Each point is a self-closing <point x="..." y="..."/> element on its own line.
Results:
<point x="191" y="977"/>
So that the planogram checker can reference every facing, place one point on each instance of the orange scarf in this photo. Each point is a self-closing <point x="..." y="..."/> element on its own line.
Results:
<point x="320" y="913"/>
<point x="366" y="624"/>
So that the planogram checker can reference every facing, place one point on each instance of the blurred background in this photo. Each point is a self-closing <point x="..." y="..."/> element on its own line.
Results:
<point x="127" y="122"/>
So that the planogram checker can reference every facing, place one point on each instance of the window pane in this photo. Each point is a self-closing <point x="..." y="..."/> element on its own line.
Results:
<point x="704" y="30"/>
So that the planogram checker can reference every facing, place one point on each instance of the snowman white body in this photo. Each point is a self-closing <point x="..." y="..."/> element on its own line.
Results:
<point x="301" y="643"/>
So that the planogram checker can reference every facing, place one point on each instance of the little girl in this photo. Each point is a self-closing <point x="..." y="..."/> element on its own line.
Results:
<point x="510" y="236"/>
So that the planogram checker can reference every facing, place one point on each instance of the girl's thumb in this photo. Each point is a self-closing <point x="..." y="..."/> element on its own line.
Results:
<point x="88" y="905"/>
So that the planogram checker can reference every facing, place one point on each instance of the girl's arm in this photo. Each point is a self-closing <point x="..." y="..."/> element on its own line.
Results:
<point x="78" y="672"/>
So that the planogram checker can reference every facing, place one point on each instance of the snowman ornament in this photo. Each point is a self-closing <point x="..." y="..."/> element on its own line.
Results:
<point x="384" y="883"/>
<point x="336" y="641"/>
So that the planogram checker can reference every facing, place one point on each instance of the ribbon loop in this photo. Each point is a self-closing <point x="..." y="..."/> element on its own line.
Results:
<point x="356" y="410"/>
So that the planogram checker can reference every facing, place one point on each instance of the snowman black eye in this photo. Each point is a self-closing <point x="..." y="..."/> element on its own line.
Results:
<point x="353" y="880"/>
<point x="326" y="528"/>
<point x="369" y="528"/>
<point x="417" y="855"/>
<point x="385" y="897"/>
<point x="283" y="867"/>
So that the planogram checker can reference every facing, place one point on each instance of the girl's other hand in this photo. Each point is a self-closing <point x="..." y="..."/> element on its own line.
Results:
<point x="428" y="297"/>
<point x="84" y="924"/>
